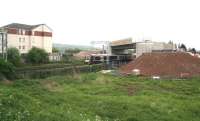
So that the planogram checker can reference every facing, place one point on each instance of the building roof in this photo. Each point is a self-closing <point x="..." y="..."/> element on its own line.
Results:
<point x="21" y="26"/>
<point x="83" y="54"/>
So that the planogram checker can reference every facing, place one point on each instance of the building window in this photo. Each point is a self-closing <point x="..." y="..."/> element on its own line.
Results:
<point x="20" y="39"/>
<point x="24" y="39"/>
<point x="20" y="47"/>
<point x="21" y="31"/>
<point x="23" y="47"/>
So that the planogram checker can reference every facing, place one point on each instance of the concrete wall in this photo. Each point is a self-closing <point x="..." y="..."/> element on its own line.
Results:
<point x="143" y="48"/>
<point x="147" y="47"/>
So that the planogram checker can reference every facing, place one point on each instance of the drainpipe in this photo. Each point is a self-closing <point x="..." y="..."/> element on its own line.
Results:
<point x="6" y="38"/>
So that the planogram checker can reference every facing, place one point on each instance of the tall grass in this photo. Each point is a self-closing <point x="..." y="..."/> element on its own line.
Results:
<point x="99" y="97"/>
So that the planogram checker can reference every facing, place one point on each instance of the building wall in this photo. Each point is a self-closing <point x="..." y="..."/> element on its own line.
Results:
<point x="143" y="48"/>
<point x="170" y="46"/>
<point x="158" y="46"/>
<point x="42" y="42"/>
<point x="46" y="40"/>
<point x="20" y="42"/>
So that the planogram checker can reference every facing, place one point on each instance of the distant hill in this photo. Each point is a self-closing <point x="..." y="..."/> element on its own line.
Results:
<point x="62" y="47"/>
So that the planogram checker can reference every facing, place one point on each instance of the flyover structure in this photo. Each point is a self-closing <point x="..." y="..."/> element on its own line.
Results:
<point x="136" y="49"/>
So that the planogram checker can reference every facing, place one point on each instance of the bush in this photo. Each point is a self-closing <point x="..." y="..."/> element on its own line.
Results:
<point x="14" y="56"/>
<point x="43" y="66"/>
<point x="37" y="56"/>
<point x="2" y="77"/>
<point x="7" y="70"/>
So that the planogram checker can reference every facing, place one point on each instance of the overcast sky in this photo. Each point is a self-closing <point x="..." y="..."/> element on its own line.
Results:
<point x="82" y="21"/>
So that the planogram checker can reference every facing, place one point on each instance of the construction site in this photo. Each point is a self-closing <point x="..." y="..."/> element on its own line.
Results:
<point x="148" y="58"/>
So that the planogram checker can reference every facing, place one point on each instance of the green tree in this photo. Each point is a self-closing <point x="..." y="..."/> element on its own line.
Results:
<point x="183" y="47"/>
<point x="193" y="50"/>
<point x="68" y="54"/>
<point x="55" y="50"/>
<point x="14" y="56"/>
<point x="37" y="56"/>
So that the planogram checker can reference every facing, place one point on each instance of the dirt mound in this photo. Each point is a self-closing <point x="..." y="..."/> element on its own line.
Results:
<point x="164" y="64"/>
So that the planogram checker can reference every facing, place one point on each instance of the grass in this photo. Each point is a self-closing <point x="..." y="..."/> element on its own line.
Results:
<point x="98" y="97"/>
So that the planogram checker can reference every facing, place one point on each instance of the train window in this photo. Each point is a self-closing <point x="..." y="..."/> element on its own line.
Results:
<point x="97" y="58"/>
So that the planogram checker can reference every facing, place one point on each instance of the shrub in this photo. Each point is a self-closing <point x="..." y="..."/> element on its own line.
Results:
<point x="37" y="56"/>
<point x="45" y="71"/>
<point x="14" y="56"/>
<point x="2" y="77"/>
<point x="7" y="70"/>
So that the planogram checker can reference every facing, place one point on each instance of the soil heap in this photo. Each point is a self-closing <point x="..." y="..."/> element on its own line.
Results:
<point x="164" y="65"/>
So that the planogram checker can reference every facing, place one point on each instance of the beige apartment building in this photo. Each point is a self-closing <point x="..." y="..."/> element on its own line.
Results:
<point x="24" y="37"/>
